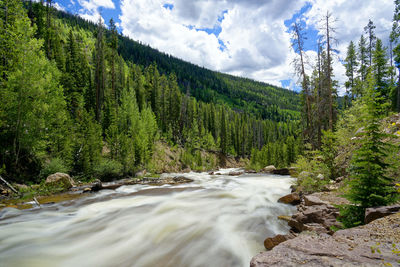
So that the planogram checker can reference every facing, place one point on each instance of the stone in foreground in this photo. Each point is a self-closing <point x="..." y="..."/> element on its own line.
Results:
<point x="349" y="247"/>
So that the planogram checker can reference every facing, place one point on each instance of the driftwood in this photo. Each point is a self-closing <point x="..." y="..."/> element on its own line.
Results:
<point x="37" y="202"/>
<point x="9" y="185"/>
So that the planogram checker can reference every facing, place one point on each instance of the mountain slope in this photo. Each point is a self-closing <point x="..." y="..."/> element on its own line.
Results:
<point x="245" y="95"/>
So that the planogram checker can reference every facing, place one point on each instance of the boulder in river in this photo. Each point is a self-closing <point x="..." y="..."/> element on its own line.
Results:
<point x="60" y="179"/>
<point x="269" y="169"/>
<point x="96" y="185"/>
<point x="293" y="199"/>
<point x="235" y="173"/>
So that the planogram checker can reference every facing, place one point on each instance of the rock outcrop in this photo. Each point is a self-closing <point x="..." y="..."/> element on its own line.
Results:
<point x="350" y="247"/>
<point x="379" y="212"/>
<point x="314" y="215"/>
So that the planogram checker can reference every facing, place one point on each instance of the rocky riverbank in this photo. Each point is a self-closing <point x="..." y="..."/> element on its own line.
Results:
<point x="61" y="187"/>
<point x="313" y="241"/>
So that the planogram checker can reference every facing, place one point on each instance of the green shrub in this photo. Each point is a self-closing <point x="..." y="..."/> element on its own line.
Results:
<point x="351" y="215"/>
<point x="308" y="182"/>
<point x="108" y="170"/>
<point x="53" y="166"/>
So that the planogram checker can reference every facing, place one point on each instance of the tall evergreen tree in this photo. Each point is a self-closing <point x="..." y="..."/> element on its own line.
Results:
<point x="380" y="68"/>
<point x="351" y="67"/>
<point x="370" y="32"/>
<point x="395" y="38"/>
<point x="363" y="58"/>
<point x="370" y="186"/>
<point x="100" y="72"/>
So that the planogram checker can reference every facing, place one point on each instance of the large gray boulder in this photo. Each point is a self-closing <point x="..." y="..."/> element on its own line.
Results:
<point x="60" y="179"/>
<point x="269" y="169"/>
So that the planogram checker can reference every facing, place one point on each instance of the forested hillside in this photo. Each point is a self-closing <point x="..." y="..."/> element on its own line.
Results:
<point x="261" y="99"/>
<point x="80" y="98"/>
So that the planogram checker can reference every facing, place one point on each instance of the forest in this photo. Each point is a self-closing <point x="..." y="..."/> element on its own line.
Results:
<point x="80" y="98"/>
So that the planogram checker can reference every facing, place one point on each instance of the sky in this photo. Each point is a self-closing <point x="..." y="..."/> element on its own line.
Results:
<point x="248" y="38"/>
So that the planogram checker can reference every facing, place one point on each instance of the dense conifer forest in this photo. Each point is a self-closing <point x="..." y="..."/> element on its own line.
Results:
<point x="81" y="98"/>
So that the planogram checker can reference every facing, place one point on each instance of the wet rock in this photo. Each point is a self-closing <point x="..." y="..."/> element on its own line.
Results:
<point x="178" y="180"/>
<point x="237" y="173"/>
<point x="283" y="171"/>
<point x="293" y="199"/>
<point x="293" y="188"/>
<point x="251" y="171"/>
<point x="272" y="242"/>
<point x="285" y="218"/>
<point x="211" y="173"/>
<point x="60" y="179"/>
<point x="96" y="185"/>
<point x="372" y="214"/>
<point x="87" y="190"/>
<point x="269" y="169"/>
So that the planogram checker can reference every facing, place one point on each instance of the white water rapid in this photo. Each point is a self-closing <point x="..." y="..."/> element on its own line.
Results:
<point x="214" y="221"/>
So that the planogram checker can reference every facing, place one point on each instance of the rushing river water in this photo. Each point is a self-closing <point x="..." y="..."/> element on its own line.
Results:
<point x="214" y="221"/>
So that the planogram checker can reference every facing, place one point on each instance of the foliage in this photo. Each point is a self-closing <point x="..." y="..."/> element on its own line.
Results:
<point x="329" y="153"/>
<point x="369" y="184"/>
<point x="351" y="215"/>
<point x="107" y="169"/>
<point x="53" y="166"/>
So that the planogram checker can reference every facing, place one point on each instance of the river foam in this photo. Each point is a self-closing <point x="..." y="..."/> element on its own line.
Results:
<point x="218" y="220"/>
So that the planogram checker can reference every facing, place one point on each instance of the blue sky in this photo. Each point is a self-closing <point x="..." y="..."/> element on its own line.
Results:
<point x="249" y="38"/>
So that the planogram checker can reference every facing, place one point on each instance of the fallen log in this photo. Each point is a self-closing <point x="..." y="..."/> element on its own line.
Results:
<point x="9" y="185"/>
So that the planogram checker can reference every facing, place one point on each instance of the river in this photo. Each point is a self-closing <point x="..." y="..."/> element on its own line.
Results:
<point x="214" y="221"/>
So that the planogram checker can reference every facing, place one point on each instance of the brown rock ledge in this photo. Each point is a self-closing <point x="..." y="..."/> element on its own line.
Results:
<point x="349" y="247"/>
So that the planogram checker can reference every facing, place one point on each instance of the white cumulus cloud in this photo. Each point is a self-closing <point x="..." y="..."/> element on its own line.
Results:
<point x="90" y="8"/>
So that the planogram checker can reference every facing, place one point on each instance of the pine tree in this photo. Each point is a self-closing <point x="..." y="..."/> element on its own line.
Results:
<point x="369" y="186"/>
<point x="380" y="68"/>
<point x="395" y="38"/>
<point x="113" y="43"/>
<point x="370" y="31"/>
<point x="351" y="66"/>
<point x="362" y="58"/>
<point x="100" y="71"/>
